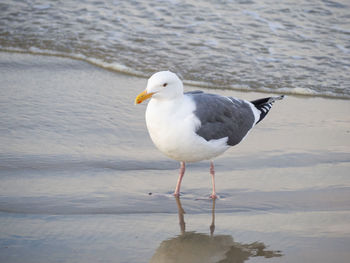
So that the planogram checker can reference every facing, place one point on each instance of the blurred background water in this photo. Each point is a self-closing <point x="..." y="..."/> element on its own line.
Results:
<point x="293" y="46"/>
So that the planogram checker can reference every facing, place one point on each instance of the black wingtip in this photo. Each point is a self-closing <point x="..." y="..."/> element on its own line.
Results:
<point x="264" y="105"/>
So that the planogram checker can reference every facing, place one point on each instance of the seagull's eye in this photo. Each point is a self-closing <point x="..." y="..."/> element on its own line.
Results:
<point x="165" y="84"/>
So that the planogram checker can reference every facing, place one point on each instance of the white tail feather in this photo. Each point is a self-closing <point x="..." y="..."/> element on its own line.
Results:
<point x="273" y="99"/>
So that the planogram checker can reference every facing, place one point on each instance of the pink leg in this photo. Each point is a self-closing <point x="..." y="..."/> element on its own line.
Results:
<point x="178" y="185"/>
<point x="212" y="173"/>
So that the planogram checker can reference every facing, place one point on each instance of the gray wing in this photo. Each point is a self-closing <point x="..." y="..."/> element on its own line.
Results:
<point x="222" y="117"/>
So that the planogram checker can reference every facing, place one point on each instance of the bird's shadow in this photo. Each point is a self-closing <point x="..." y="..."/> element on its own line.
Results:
<point x="192" y="247"/>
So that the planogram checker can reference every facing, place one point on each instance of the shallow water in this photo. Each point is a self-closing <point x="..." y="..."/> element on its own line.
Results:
<point x="297" y="47"/>
<point x="82" y="182"/>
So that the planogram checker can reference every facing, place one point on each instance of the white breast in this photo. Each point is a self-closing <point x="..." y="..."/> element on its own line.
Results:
<point x="172" y="125"/>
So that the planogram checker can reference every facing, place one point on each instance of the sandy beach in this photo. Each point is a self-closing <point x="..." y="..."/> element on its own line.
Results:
<point x="80" y="180"/>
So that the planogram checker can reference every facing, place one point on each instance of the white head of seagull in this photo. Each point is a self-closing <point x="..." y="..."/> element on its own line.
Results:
<point x="163" y="85"/>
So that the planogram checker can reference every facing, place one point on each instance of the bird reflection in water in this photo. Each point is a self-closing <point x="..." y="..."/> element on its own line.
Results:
<point x="192" y="247"/>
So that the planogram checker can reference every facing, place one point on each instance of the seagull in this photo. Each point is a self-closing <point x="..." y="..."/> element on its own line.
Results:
<point x="195" y="126"/>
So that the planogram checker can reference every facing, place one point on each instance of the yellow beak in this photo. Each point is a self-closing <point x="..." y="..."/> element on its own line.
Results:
<point x="143" y="96"/>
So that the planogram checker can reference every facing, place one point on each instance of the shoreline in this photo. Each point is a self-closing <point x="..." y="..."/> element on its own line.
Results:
<point x="121" y="69"/>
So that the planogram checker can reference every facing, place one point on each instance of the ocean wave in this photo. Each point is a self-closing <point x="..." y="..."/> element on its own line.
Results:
<point x="116" y="67"/>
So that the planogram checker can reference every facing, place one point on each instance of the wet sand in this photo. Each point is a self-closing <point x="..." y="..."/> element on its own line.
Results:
<point x="82" y="182"/>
